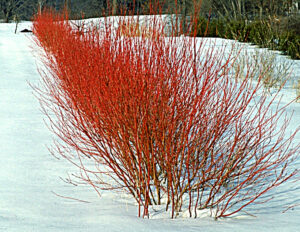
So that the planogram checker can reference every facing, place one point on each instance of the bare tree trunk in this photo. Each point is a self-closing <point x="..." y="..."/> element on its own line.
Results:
<point x="239" y="8"/>
<point x="6" y="19"/>
<point x="7" y="14"/>
<point x="114" y="7"/>
<point x="184" y="18"/>
<point x="67" y="5"/>
<point x="244" y="10"/>
<point x="17" y="20"/>
<point x="40" y="6"/>
<point x="260" y="12"/>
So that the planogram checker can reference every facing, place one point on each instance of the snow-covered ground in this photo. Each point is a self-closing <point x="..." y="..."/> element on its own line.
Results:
<point x="29" y="175"/>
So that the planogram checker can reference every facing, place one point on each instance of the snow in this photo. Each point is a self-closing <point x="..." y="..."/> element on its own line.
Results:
<point x="30" y="176"/>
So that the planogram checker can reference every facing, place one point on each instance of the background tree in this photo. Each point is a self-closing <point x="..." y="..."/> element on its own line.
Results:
<point x="14" y="8"/>
<point x="232" y="9"/>
<point x="251" y="9"/>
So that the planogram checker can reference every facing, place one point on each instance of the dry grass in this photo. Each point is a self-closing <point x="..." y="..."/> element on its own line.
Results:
<point x="266" y="65"/>
<point x="132" y="28"/>
<point x="297" y="87"/>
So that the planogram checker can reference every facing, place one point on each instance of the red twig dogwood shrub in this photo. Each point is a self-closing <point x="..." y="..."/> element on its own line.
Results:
<point x="160" y="117"/>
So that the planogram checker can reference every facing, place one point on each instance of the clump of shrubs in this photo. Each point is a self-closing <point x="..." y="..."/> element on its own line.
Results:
<point x="160" y="118"/>
<point x="277" y="34"/>
<point x="275" y="72"/>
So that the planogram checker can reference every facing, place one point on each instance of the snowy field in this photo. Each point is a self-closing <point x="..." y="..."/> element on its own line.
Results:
<point x="30" y="176"/>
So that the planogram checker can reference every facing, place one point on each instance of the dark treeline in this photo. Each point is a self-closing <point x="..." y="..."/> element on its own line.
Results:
<point x="237" y="9"/>
<point x="12" y="10"/>
<point x="267" y="23"/>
